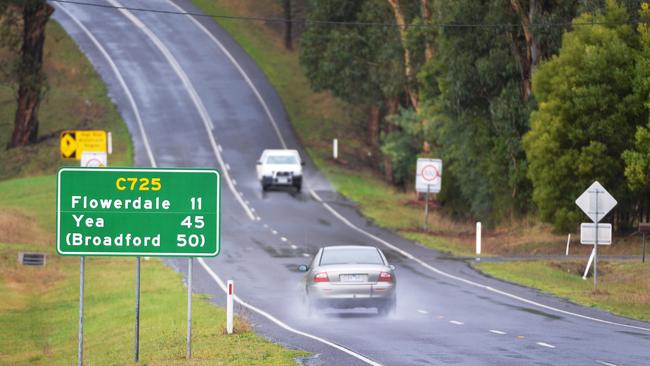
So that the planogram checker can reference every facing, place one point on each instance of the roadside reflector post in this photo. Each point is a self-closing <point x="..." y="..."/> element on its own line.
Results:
<point x="189" y="308"/>
<point x="229" y="307"/>
<point x="644" y="227"/>
<point x="335" y="149"/>
<point x="136" y="356"/>
<point x="478" y="239"/>
<point x="568" y="242"/>
<point x="591" y="259"/>
<point x="80" y="349"/>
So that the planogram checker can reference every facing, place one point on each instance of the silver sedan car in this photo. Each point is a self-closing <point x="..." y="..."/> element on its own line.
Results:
<point x="350" y="277"/>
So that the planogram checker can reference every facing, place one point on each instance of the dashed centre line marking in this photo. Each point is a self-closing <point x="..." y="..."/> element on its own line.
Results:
<point x="497" y="332"/>
<point x="545" y="345"/>
<point x="283" y="239"/>
<point x="266" y="226"/>
<point x="606" y="363"/>
<point x="456" y="322"/>
<point x="305" y="255"/>
<point x="274" y="232"/>
<point x="422" y="311"/>
<point x="293" y="246"/>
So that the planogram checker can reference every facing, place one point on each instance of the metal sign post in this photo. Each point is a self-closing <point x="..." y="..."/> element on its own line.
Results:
<point x="137" y="212"/>
<point x="428" y="179"/>
<point x="189" y="308"/>
<point x="596" y="246"/>
<point x="80" y="347"/>
<point x="426" y="208"/>
<point x="137" y="310"/>
<point x="596" y="202"/>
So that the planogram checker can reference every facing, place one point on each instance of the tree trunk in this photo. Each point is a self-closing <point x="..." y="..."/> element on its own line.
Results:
<point x="374" y="119"/>
<point x="408" y="67"/>
<point x="529" y="59"/>
<point x="392" y="104"/>
<point x="288" y="41"/>
<point x="426" y="16"/>
<point x="31" y="78"/>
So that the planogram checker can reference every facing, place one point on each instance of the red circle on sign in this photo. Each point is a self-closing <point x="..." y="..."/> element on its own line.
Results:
<point x="430" y="173"/>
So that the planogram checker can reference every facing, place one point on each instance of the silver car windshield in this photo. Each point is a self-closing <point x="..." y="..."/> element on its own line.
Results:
<point x="344" y="256"/>
<point x="281" y="159"/>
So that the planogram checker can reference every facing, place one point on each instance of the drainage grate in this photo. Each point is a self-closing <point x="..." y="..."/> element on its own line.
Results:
<point x="32" y="259"/>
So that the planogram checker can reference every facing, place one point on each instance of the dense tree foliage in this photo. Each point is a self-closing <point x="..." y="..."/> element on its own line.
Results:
<point x="587" y="116"/>
<point x="470" y="79"/>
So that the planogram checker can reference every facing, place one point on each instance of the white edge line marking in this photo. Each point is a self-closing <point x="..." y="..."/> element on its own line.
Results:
<point x="278" y="322"/>
<point x="205" y="117"/>
<point x="153" y="163"/>
<point x="201" y="109"/>
<point x="545" y="345"/>
<point x="422" y="311"/>
<point x="463" y="280"/>
<point x="119" y="77"/>
<point x="241" y="71"/>
<point x="456" y="322"/>
<point x="497" y="332"/>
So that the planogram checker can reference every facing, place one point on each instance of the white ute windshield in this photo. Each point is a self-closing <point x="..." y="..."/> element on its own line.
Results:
<point x="281" y="159"/>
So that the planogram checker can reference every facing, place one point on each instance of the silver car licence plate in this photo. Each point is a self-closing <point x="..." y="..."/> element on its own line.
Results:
<point x="353" y="278"/>
<point x="283" y="180"/>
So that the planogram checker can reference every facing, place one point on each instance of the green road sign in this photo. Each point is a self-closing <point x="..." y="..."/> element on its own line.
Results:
<point x="138" y="212"/>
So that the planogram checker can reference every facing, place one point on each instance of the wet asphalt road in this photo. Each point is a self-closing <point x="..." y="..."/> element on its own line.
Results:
<point x="187" y="104"/>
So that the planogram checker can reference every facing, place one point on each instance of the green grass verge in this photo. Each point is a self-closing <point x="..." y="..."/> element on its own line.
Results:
<point x="39" y="306"/>
<point x="623" y="287"/>
<point x="318" y="117"/>
<point x="39" y="311"/>
<point x="76" y="99"/>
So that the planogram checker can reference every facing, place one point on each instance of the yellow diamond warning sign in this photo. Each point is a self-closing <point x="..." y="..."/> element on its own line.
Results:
<point x="74" y="143"/>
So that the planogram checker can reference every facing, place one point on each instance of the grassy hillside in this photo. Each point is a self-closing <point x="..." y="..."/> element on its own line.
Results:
<point x="39" y="306"/>
<point x="76" y="99"/>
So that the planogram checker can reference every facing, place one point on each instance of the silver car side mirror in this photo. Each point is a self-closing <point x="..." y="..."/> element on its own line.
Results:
<point x="392" y="267"/>
<point x="303" y="268"/>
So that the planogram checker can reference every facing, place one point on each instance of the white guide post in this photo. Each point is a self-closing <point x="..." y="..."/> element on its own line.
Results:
<point x="478" y="238"/>
<point x="568" y="242"/>
<point x="335" y="149"/>
<point x="229" y="307"/>
<point x="591" y="259"/>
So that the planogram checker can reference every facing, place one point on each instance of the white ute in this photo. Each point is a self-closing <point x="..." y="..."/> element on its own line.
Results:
<point x="280" y="168"/>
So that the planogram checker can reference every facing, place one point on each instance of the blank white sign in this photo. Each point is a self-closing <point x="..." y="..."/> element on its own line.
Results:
<point x="588" y="234"/>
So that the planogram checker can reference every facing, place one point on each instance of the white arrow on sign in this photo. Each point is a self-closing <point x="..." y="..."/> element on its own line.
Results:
<point x="596" y="196"/>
